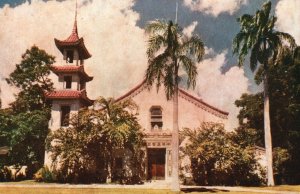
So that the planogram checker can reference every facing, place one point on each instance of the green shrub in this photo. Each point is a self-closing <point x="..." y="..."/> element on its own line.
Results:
<point x="217" y="160"/>
<point x="5" y="174"/>
<point x="44" y="175"/>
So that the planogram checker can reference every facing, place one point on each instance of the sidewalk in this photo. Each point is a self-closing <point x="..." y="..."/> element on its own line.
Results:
<point x="236" y="189"/>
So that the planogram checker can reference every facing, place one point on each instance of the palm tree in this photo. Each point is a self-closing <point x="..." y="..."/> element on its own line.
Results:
<point x="118" y="121"/>
<point x="257" y="36"/>
<point x="168" y="52"/>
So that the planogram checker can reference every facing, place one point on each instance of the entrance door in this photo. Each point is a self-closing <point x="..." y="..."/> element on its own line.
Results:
<point x="156" y="163"/>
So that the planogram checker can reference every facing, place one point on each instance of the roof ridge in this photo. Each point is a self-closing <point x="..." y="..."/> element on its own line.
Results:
<point x="192" y="97"/>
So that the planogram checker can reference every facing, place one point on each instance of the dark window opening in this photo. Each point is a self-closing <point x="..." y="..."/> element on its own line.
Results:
<point x="70" y="56"/>
<point x="65" y="115"/>
<point x="68" y="82"/>
<point x="156" y="118"/>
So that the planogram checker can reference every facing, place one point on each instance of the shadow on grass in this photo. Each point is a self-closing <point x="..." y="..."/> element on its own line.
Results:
<point x="190" y="190"/>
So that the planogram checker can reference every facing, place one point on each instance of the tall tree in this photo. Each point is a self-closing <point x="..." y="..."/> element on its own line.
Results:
<point x="31" y="76"/>
<point x="284" y="81"/>
<point x="258" y="36"/>
<point x="120" y="126"/>
<point x="25" y="123"/>
<point x="168" y="52"/>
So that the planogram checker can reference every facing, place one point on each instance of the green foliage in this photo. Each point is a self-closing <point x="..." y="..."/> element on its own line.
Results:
<point x="27" y="139"/>
<point x="284" y="79"/>
<point x="247" y="137"/>
<point x="25" y="134"/>
<point x="5" y="174"/>
<point x="179" y="51"/>
<point x="258" y="36"/>
<point x="216" y="159"/>
<point x="89" y="146"/>
<point x="24" y="125"/>
<point x="31" y="77"/>
<point x="44" y="175"/>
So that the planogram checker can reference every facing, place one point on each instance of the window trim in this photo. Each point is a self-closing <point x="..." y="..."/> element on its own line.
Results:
<point x="156" y="119"/>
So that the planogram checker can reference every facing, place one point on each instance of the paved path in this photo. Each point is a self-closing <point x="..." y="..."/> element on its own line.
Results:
<point x="152" y="185"/>
<point x="237" y="189"/>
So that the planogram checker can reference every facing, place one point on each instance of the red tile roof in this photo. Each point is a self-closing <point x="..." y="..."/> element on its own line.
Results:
<point x="71" y="69"/>
<point x="63" y="94"/>
<point x="69" y="94"/>
<point x="74" y="35"/>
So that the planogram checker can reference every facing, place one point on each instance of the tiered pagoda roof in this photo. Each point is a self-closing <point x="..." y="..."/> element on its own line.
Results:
<point x="72" y="69"/>
<point x="73" y="41"/>
<point x="69" y="94"/>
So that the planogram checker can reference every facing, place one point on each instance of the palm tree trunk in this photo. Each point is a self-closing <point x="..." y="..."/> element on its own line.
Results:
<point x="267" y="128"/>
<point x="109" y="168"/>
<point x="175" y="142"/>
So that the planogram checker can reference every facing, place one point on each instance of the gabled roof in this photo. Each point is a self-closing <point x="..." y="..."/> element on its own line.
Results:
<point x="72" y="69"/>
<point x="182" y="94"/>
<point x="69" y="94"/>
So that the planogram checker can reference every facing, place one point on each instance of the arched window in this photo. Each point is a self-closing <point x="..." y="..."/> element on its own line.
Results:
<point x="156" y="118"/>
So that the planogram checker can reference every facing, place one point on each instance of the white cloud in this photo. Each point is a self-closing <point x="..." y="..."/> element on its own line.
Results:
<point x="109" y="29"/>
<point x="221" y="90"/>
<point x="117" y="46"/>
<point x="288" y="15"/>
<point x="188" y="31"/>
<point x="214" y="7"/>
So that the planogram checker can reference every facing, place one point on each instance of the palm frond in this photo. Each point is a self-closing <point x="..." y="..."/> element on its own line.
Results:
<point x="254" y="56"/>
<point x="155" y="69"/>
<point x="286" y="37"/>
<point x="266" y="8"/>
<point x="156" y="27"/>
<point x="154" y="44"/>
<point x="191" y="70"/>
<point x="238" y="40"/>
<point x="193" y="46"/>
<point x="169" y="82"/>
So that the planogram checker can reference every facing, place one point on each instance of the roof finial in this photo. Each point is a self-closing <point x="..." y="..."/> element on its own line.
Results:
<point x="76" y="11"/>
<point x="176" y="12"/>
<point x="75" y="30"/>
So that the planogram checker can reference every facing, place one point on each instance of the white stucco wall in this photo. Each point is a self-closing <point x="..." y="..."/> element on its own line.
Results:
<point x="75" y="82"/>
<point x="54" y="122"/>
<point x="190" y="115"/>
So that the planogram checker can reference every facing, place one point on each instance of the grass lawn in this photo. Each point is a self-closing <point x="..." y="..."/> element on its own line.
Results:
<point x="11" y="190"/>
<point x="32" y="187"/>
<point x="280" y="188"/>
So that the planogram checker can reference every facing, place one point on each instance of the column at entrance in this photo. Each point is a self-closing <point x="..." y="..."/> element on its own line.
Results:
<point x="168" y="163"/>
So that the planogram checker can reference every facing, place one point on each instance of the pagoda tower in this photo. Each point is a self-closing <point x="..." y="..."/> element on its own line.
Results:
<point x="70" y="94"/>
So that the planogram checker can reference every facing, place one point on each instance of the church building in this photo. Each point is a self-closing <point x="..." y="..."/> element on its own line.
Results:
<point x="156" y="118"/>
<point x="155" y="112"/>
